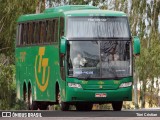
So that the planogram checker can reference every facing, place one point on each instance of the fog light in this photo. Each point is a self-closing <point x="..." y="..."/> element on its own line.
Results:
<point x="74" y="85"/>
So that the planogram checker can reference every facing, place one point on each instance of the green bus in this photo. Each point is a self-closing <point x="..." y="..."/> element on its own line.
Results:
<point x="75" y="55"/>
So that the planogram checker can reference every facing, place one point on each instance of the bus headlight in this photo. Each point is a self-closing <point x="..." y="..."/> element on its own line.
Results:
<point x="125" y="84"/>
<point x="74" y="85"/>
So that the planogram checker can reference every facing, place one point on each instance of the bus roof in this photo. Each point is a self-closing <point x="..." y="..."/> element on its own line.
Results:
<point x="70" y="10"/>
<point x="94" y="13"/>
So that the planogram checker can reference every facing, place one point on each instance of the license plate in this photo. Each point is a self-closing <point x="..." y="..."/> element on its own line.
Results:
<point x="100" y="95"/>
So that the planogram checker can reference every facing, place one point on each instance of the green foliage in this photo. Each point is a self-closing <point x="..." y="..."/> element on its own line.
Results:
<point x="7" y="86"/>
<point x="19" y="105"/>
<point x="10" y="10"/>
<point x="8" y="98"/>
<point x="147" y="65"/>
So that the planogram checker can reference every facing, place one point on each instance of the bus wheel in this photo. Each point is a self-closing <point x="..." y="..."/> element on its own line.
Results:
<point x="43" y="106"/>
<point x="63" y="106"/>
<point x="117" y="105"/>
<point x="25" y="95"/>
<point x="32" y="105"/>
<point x="84" y="107"/>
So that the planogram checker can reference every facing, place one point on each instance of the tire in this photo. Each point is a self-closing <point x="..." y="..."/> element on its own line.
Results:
<point x="117" y="105"/>
<point x="25" y="95"/>
<point x="42" y="106"/>
<point x="63" y="105"/>
<point x="32" y="105"/>
<point x="84" y="107"/>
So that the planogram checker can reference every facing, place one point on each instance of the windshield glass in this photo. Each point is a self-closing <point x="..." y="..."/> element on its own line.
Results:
<point x="99" y="59"/>
<point x="98" y="27"/>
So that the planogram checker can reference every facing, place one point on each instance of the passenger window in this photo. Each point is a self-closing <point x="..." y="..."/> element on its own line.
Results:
<point x="56" y="31"/>
<point x="21" y="36"/>
<point x="49" y="29"/>
<point x="26" y="33"/>
<point x="42" y="32"/>
<point x="53" y="31"/>
<point x="18" y="37"/>
<point x="61" y="27"/>
<point x="37" y="33"/>
<point x="30" y="33"/>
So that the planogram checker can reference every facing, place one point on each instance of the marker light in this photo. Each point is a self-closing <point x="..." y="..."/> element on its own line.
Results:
<point x="125" y="84"/>
<point x="74" y="85"/>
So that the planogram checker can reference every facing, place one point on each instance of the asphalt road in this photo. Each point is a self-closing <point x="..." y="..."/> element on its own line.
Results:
<point x="93" y="115"/>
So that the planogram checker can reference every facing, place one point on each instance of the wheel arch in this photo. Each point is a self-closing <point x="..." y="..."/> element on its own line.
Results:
<point x="57" y="89"/>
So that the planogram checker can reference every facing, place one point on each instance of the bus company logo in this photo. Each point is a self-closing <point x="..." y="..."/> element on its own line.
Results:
<point x="43" y="69"/>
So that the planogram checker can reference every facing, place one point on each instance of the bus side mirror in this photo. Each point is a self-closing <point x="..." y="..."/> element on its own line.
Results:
<point x="63" y="46"/>
<point x="136" y="45"/>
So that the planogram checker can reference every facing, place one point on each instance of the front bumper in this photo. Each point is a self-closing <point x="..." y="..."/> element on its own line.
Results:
<point x="81" y="95"/>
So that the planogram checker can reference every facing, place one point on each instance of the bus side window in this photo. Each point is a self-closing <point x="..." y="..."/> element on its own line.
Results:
<point x="61" y="27"/>
<point x="27" y="32"/>
<point x="30" y="33"/>
<point x="56" y="31"/>
<point x="21" y="35"/>
<point x="53" y="31"/>
<point x="24" y="34"/>
<point x="33" y="32"/>
<point x="18" y="37"/>
<point x="42" y="32"/>
<point x="47" y="32"/>
<point x="37" y="33"/>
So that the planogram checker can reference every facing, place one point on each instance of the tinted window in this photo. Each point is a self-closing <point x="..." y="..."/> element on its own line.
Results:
<point x="98" y="27"/>
<point x="39" y="32"/>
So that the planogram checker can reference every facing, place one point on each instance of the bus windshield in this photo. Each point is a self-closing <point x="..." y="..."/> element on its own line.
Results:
<point x="99" y="59"/>
<point x="97" y="27"/>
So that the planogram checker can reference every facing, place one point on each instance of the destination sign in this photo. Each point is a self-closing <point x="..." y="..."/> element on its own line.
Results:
<point x="97" y="19"/>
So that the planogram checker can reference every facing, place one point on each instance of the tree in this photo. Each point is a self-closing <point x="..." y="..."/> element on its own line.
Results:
<point x="10" y="10"/>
